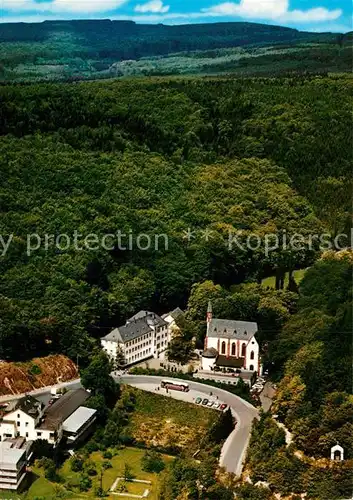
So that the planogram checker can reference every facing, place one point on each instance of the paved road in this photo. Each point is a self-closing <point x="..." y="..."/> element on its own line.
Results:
<point x="234" y="450"/>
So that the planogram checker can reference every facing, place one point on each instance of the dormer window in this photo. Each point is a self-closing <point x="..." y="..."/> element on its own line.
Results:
<point x="245" y="333"/>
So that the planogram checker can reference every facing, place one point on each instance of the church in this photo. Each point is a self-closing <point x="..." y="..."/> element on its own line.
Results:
<point x="230" y="344"/>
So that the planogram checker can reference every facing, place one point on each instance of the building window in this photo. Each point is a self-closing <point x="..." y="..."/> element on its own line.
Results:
<point x="39" y="434"/>
<point x="26" y="424"/>
<point x="26" y="434"/>
<point x="233" y="349"/>
<point x="223" y="348"/>
<point x="252" y="355"/>
<point x="243" y="350"/>
<point x="18" y="415"/>
<point x="251" y="368"/>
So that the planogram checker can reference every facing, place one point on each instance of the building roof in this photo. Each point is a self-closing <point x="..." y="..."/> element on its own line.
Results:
<point x="230" y="329"/>
<point x="10" y="455"/>
<point x="28" y="404"/>
<point x="210" y="352"/>
<point x="63" y="408"/>
<point x="78" y="419"/>
<point x="143" y="322"/>
<point x="176" y="313"/>
<point x="230" y="362"/>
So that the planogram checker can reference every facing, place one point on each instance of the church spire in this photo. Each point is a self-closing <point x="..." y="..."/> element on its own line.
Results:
<point x="209" y="312"/>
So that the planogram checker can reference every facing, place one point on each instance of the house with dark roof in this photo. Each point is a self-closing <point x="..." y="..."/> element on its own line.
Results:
<point x="230" y="344"/>
<point x="29" y="419"/>
<point x="144" y="335"/>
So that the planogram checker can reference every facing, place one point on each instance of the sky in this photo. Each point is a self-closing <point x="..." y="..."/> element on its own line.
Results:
<point x="308" y="15"/>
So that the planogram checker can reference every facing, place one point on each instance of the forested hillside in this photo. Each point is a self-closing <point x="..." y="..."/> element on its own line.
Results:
<point x="314" y="398"/>
<point x="159" y="157"/>
<point x="90" y="49"/>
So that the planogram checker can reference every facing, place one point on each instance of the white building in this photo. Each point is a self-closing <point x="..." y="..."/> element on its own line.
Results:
<point x="145" y="335"/>
<point x="337" y="453"/>
<point x="230" y="344"/>
<point x="13" y="461"/>
<point x="28" y="418"/>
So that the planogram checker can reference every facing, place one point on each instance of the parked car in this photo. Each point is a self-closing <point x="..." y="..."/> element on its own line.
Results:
<point x="210" y="403"/>
<point x="205" y="401"/>
<point x="198" y="401"/>
<point x="217" y="405"/>
<point x="223" y="406"/>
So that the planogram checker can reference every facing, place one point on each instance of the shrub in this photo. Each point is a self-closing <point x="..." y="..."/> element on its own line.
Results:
<point x="34" y="370"/>
<point x="108" y="454"/>
<point x="91" y="471"/>
<point x="76" y="464"/>
<point x="85" y="483"/>
<point x="152" y="462"/>
<point x="107" y="465"/>
<point x="92" y="446"/>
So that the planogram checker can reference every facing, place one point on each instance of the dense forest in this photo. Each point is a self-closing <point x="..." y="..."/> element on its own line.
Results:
<point x="95" y="49"/>
<point x="159" y="157"/>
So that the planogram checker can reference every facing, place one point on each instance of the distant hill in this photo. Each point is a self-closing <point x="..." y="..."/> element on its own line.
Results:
<point x="88" y="48"/>
<point x="128" y="40"/>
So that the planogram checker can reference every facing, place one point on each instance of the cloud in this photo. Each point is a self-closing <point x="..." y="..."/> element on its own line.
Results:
<point x="155" y="6"/>
<point x="275" y="10"/>
<point x="57" y="6"/>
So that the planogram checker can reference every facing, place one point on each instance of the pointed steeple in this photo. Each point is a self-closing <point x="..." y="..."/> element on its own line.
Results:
<point x="209" y="312"/>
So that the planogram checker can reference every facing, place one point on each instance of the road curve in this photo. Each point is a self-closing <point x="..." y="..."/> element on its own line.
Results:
<point x="234" y="450"/>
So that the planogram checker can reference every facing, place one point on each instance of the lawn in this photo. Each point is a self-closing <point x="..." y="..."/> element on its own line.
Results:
<point x="271" y="280"/>
<point x="43" y="489"/>
<point x="130" y="456"/>
<point x="168" y="423"/>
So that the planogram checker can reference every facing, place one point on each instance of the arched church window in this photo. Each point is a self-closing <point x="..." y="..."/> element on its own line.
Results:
<point x="223" y="348"/>
<point x="252" y="355"/>
<point x="233" y="349"/>
<point x="243" y="350"/>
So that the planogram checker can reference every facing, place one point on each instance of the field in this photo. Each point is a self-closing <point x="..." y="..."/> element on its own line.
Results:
<point x="169" y="423"/>
<point x="297" y="275"/>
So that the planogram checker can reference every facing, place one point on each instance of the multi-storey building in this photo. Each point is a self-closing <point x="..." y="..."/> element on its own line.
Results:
<point x="143" y="336"/>
<point x="13" y="461"/>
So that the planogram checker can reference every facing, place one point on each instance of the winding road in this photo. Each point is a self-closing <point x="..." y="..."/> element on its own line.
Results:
<point x="234" y="450"/>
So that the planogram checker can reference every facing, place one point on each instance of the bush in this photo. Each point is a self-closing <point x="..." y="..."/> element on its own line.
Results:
<point x="34" y="370"/>
<point x="85" y="483"/>
<point x="107" y="465"/>
<point x="108" y="454"/>
<point x="92" y="446"/>
<point x="91" y="471"/>
<point x="51" y="474"/>
<point x="152" y="462"/>
<point x="76" y="464"/>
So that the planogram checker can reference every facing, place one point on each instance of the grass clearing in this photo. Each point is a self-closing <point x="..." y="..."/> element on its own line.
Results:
<point x="160" y="421"/>
<point x="297" y="275"/>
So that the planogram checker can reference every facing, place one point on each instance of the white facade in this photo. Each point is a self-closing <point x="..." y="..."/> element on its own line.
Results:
<point x="249" y="350"/>
<point x="18" y="423"/>
<point x="145" y="335"/>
